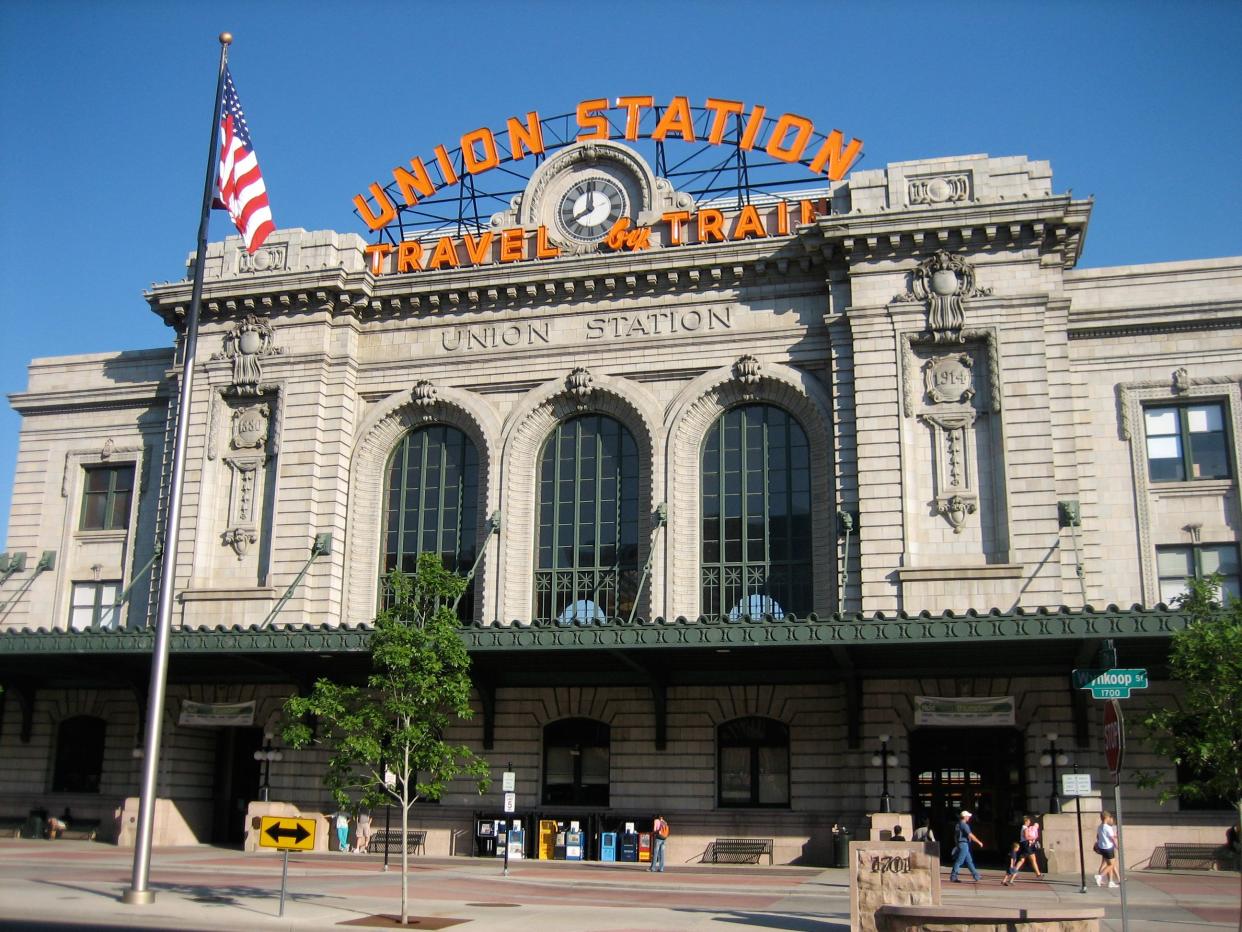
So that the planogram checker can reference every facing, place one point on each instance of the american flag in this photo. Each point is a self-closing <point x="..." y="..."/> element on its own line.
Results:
<point x="238" y="179"/>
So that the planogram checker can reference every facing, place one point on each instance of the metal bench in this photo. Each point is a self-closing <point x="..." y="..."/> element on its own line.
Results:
<point x="739" y="850"/>
<point x="1185" y="856"/>
<point x="416" y="838"/>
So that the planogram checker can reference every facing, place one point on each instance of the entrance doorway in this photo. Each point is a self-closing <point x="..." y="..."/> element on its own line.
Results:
<point x="237" y="782"/>
<point x="979" y="769"/>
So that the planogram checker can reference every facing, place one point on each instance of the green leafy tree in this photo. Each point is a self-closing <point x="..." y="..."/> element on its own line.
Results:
<point x="1204" y="734"/>
<point x="394" y="725"/>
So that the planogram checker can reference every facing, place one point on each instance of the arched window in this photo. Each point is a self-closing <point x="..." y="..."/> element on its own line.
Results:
<point x="586" y="567"/>
<point x="576" y="763"/>
<point x="431" y="505"/>
<point x="78" y="767"/>
<point x="753" y="762"/>
<point x="756" y="496"/>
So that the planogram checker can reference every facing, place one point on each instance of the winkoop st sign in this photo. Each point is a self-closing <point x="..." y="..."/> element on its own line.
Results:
<point x="1110" y="684"/>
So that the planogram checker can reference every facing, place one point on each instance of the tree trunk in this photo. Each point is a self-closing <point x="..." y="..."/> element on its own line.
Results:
<point x="405" y="850"/>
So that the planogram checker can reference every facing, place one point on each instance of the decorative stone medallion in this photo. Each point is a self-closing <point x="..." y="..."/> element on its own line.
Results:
<point x="944" y="281"/>
<point x="246" y="344"/>
<point x="949" y="379"/>
<point x="250" y="427"/>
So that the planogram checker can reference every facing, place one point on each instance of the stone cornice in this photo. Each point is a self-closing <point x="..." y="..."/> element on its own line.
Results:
<point x="499" y="287"/>
<point x="875" y="630"/>
<point x="1050" y="224"/>
<point x="1101" y="323"/>
<point x="99" y="398"/>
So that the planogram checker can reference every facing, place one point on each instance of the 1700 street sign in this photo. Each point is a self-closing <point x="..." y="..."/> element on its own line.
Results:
<point x="1110" y="684"/>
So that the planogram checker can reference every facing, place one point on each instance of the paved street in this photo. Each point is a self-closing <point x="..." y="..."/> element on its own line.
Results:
<point x="67" y="884"/>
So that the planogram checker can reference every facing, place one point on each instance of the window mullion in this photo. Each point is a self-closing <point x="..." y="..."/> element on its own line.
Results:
<point x="403" y="492"/>
<point x="1183" y="427"/>
<point x="441" y="511"/>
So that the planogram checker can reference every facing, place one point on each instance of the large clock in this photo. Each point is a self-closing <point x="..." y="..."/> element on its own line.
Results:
<point x="590" y="206"/>
<point x="580" y="193"/>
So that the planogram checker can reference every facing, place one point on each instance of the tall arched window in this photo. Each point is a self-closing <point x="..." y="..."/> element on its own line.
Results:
<point x="431" y="505"/>
<point x="78" y="767"/>
<point x="756" y="482"/>
<point x="586" y="567"/>
<point x="576" y="761"/>
<point x="753" y="766"/>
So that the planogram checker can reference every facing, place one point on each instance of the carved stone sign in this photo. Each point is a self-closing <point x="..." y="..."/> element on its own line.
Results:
<point x="949" y="379"/>
<point x="250" y="427"/>
<point x="891" y="873"/>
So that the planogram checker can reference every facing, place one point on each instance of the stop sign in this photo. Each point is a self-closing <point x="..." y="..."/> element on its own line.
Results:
<point x="1114" y="737"/>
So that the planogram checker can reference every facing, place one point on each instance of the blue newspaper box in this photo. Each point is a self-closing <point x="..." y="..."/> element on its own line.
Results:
<point x="573" y="846"/>
<point x="608" y="846"/>
<point x="629" y="846"/>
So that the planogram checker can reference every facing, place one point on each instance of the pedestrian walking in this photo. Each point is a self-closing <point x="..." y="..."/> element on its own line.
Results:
<point x="1028" y="844"/>
<point x="1015" y="863"/>
<point x="342" y="830"/>
<point x="1106" y="848"/>
<point x="362" y="844"/>
<point x="963" y="838"/>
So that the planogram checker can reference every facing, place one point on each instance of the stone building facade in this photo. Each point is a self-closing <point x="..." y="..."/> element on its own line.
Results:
<point x="737" y="508"/>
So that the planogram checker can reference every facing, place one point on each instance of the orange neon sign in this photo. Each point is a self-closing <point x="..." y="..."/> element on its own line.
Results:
<point x="515" y="244"/>
<point x="790" y="139"/>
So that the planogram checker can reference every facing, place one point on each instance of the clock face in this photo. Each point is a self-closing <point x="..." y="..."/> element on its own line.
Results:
<point x="590" y="206"/>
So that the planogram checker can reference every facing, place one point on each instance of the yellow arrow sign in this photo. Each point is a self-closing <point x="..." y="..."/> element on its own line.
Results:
<point x="287" y="832"/>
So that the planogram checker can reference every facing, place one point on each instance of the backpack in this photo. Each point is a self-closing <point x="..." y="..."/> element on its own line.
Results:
<point x="662" y="831"/>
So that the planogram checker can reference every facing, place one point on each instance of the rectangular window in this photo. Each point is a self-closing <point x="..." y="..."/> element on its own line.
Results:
<point x="106" y="499"/>
<point x="94" y="605"/>
<point x="1175" y="565"/>
<point x="1187" y="442"/>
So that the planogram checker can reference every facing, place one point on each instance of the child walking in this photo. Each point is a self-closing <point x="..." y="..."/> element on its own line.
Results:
<point x="1016" y="857"/>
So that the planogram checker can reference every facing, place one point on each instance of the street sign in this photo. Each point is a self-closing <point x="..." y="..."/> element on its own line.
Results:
<point x="508" y="781"/>
<point x="287" y="832"/>
<point x="510" y="802"/>
<point x="1114" y="738"/>
<point x="1075" y="784"/>
<point x="1110" y="684"/>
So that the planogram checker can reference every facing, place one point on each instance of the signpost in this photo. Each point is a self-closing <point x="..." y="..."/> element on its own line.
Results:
<point x="1114" y="753"/>
<point x="1078" y="785"/>
<point x="286" y="834"/>
<point x="508" y="783"/>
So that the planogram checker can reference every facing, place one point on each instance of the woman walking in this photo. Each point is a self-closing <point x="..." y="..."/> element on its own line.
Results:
<point x="1106" y="848"/>
<point x="1028" y="844"/>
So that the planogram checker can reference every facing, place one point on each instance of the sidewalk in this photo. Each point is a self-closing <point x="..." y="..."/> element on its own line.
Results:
<point x="50" y="885"/>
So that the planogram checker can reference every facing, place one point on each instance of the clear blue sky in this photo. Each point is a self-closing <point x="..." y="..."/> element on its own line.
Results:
<point x="106" y="111"/>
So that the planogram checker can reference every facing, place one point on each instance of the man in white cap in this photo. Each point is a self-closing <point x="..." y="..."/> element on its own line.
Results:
<point x="963" y="836"/>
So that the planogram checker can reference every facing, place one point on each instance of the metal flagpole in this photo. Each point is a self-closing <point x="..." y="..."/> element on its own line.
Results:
<point x="139" y="892"/>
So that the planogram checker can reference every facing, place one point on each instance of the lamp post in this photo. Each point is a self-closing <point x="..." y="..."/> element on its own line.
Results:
<point x="884" y="759"/>
<point x="1050" y="758"/>
<point x="266" y="755"/>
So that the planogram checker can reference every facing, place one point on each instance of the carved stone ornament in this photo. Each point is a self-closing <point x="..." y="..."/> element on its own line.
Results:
<point x="747" y="371"/>
<point x="424" y="395"/>
<point x="108" y="447"/>
<point x="955" y="509"/>
<point x="949" y="379"/>
<point x="944" y="281"/>
<point x="250" y="427"/>
<point x="579" y="384"/>
<point x="240" y="539"/>
<point x="246" y="344"/>
<point x="1181" y="380"/>
<point x="939" y="189"/>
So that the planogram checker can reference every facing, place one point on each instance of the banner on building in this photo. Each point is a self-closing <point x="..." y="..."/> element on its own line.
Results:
<point x="937" y="710"/>
<point x="216" y="713"/>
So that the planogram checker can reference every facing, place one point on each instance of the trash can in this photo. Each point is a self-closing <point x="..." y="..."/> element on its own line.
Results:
<point x="841" y="848"/>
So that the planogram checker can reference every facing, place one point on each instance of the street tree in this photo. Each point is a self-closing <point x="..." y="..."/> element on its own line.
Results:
<point x="386" y="738"/>
<point x="1203" y="733"/>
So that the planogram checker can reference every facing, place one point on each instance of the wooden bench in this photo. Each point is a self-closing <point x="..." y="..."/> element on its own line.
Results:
<point x="1185" y="856"/>
<point x="739" y="850"/>
<point x="416" y="838"/>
